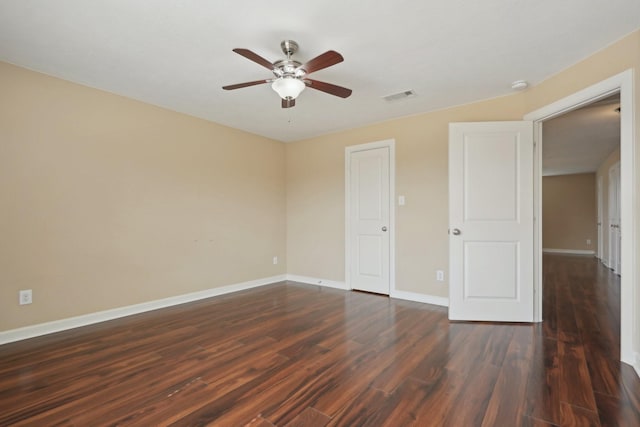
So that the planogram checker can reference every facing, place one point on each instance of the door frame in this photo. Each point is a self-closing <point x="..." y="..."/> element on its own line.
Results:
<point x="621" y="83"/>
<point x="391" y="144"/>
<point x="600" y="213"/>
<point x="614" y="250"/>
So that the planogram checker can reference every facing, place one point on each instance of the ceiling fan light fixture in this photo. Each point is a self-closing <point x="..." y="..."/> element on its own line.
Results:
<point x="288" y="87"/>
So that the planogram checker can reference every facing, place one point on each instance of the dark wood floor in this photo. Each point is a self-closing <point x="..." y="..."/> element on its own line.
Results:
<point x="298" y="355"/>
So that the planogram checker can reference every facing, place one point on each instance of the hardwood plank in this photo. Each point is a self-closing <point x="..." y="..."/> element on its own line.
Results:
<point x="105" y="401"/>
<point x="616" y="412"/>
<point x="154" y="411"/>
<point x="509" y="395"/>
<point x="543" y="398"/>
<point x="309" y="418"/>
<point x="327" y="394"/>
<point x="575" y="382"/>
<point x="604" y="371"/>
<point x="259" y="422"/>
<point x="401" y="408"/>
<point x="549" y="304"/>
<point x="358" y="411"/>
<point x="567" y="328"/>
<point x="165" y="408"/>
<point x="440" y="398"/>
<point x="404" y="363"/>
<point x="630" y="386"/>
<point x="434" y="361"/>
<point x="476" y="393"/>
<point x="577" y="416"/>
<point x="236" y="361"/>
<point x="271" y="390"/>
<point x="528" y="421"/>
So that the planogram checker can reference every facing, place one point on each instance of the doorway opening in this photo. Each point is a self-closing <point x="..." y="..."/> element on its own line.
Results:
<point x="580" y="188"/>
<point x="580" y="225"/>
<point x="621" y="84"/>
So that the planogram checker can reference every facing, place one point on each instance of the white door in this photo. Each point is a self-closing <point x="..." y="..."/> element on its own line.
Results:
<point x="614" y="218"/>
<point x="369" y="212"/>
<point x="599" y="220"/>
<point x="491" y="221"/>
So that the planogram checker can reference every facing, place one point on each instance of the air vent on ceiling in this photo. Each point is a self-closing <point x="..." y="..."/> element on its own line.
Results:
<point x="399" y="96"/>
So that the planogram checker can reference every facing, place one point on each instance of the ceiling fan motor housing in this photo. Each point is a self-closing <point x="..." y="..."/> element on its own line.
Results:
<point x="289" y="47"/>
<point x="288" y="67"/>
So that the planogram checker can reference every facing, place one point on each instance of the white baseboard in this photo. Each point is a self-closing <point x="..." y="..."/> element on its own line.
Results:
<point x="568" y="251"/>
<point x="317" y="281"/>
<point x="426" y="299"/>
<point x="101" y="316"/>
<point x="409" y="296"/>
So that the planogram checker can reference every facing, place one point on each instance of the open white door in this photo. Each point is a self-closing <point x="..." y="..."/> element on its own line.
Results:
<point x="491" y="221"/>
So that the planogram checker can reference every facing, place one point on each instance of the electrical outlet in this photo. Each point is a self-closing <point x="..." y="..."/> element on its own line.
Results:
<point x="25" y="297"/>
<point x="275" y="260"/>
<point x="440" y="276"/>
<point x="588" y="242"/>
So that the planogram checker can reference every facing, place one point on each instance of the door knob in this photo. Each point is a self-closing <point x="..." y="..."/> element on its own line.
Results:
<point x="455" y="232"/>
<point x="384" y="228"/>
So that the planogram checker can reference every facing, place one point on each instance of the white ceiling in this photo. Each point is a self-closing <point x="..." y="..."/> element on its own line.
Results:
<point x="579" y="141"/>
<point x="177" y="54"/>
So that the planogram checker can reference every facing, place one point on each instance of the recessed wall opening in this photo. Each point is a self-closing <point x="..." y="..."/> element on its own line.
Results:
<point x="581" y="217"/>
<point x="599" y="94"/>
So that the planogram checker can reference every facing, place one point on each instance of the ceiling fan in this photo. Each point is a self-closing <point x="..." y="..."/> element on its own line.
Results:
<point x="291" y="76"/>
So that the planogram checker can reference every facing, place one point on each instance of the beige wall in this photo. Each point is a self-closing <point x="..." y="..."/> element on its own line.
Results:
<point x="603" y="173"/>
<point x="315" y="176"/>
<point x="315" y="194"/>
<point x="569" y="212"/>
<point x="108" y="202"/>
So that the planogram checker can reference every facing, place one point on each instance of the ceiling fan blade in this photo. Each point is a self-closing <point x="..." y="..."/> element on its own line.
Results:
<point x="254" y="57"/>
<point x="329" y="88"/>
<point x="288" y="103"/>
<point x="241" y="85"/>
<point x="325" y="60"/>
